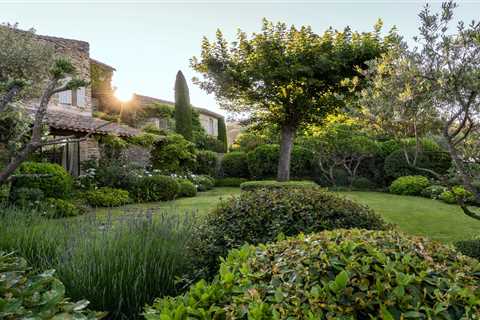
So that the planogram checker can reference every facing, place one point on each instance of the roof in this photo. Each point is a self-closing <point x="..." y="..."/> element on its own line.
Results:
<point x="146" y="99"/>
<point x="101" y="64"/>
<point x="87" y="124"/>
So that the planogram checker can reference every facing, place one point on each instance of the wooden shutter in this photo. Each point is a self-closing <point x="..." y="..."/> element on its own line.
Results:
<point x="81" y="97"/>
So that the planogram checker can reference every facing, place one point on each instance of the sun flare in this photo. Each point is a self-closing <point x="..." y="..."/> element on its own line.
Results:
<point x="123" y="95"/>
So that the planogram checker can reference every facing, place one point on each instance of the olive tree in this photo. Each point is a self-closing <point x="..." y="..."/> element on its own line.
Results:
<point x="286" y="76"/>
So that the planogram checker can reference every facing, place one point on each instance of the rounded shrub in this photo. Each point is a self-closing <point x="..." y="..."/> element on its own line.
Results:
<point x="340" y="274"/>
<point x="272" y="184"/>
<point x="229" y="182"/>
<point x="107" y="197"/>
<point x="51" y="178"/>
<point x="202" y="182"/>
<point x="59" y="208"/>
<point x="173" y="154"/>
<point x="362" y="183"/>
<point x="457" y="193"/>
<point x="155" y="188"/>
<point x="187" y="188"/>
<point x="409" y="185"/>
<point x="26" y="196"/>
<point x="206" y="162"/>
<point x="433" y="191"/>
<point x="469" y="248"/>
<point x="262" y="215"/>
<point x="235" y="165"/>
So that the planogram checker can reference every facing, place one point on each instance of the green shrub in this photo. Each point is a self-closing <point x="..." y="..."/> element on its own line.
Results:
<point x="115" y="175"/>
<point x="409" y="185"/>
<point x="202" y="182"/>
<point x="155" y="188"/>
<point x="469" y="248"/>
<point x="263" y="162"/>
<point x="187" y="188"/>
<point x="272" y="184"/>
<point x="206" y="142"/>
<point x="59" y="208"/>
<point x="433" y="192"/>
<point x="119" y="264"/>
<point x="362" y="183"/>
<point x="107" y="197"/>
<point x="51" y="178"/>
<point x="396" y="166"/>
<point x="457" y="193"/>
<point x="262" y="215"/>
<point x="229" y="182"/>
<point x="235" y="165"/>
<point x="26" y="196"/>
<point x="340" y="274"/>
<point x="173" y="154"/>
<point x="26" y="295"/>
<point x="206" y="162"/>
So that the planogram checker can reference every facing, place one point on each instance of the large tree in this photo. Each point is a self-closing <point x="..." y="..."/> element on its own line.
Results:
<point x="434" y="87"/>
<point x="285" y="76"/>
<point x="183" y="109"/>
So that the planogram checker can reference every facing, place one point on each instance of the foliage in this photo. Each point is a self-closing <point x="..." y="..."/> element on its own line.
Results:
<point x="59" y="208"/>
<point x="338" y="274"/>
<point x="433" y="191"/>
<point x="222" y="134"/>
<point x="262" y="162"/>
<point x="248" y="141"/>
<point x="107" y="197"/>
<point x="207" y="142"/>
<point x="155" y="188"/>
<point x="109" y="173"/>
<point x="262" y="215"/>
<point x="206" y="162"/>
<point x="187" y="188"/>
<point x="469" y="248"/>
<point x="285" y="76"/>
<point x="51" y="178"/>
<point x="118" y="263"/>
<point x="362" y="183"/>
<point x="458" y="193"/>
<point x="173" y="154"/>
<point x="26" y="295"/>
<point x="25" y="197"/>
<point x="396" y="164"/>
<point x="183" y="109"/>
<point x="202" y="182"/>
<point x="229" y="182"/>
<point x="146" y="139"/>
<point x="273" y="185"/>
<point x="234" y="164"/>
<point x="409" y="185"/>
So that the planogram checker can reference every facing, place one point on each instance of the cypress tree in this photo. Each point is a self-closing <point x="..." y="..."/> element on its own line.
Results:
<point x="183" y="109"/>
<point x="222" y="133"/>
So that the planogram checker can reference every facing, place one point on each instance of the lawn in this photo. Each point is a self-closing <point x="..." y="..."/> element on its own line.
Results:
<point x="414" y="215"/>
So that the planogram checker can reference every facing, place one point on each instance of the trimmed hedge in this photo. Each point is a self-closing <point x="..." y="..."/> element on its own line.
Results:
<point x="469" y="248"/>
<point x="155" y="188"/>
<point x="409" y="185"/>
<point x="272" y="184"/>
<point x="229" y="182"/>
<point x="235" y="165"/>
<point x="206" y="162"/>
<point x="24" y="197"/>
<point x="187" y="188"/>
<point x="262" y="215"/>
<point x="340" y="274"/>
<point x="26" y="295"/>
<point x="107" y="197"/>
<point x="51" y="178"/>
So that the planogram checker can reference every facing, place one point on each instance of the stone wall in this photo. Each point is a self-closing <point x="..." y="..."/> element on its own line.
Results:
<point x="210" y="124"/>
<point x="89" y="149"/>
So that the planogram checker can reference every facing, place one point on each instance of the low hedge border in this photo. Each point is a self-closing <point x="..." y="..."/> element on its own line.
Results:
<point x="272" y="184"/>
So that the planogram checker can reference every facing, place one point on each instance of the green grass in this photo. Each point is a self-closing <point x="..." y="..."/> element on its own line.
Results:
<point x="420" y="216"/>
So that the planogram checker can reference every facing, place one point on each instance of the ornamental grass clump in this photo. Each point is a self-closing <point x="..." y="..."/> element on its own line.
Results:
<point x="340" y="274"/>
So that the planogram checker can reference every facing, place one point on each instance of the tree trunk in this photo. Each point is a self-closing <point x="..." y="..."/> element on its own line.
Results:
<point x="286" y="144"/>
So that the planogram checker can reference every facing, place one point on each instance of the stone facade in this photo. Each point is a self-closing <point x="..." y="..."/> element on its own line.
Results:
<point x="210" y="124"/>
<point x="89" y="149"/>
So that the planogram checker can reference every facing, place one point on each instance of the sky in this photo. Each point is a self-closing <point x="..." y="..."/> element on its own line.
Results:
<point x="149" y="41"/>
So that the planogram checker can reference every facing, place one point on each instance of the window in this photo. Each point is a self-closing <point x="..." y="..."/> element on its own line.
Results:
<point x="210" y="126"/>
<point x="75" y="97"/>
<point x="65" y="97"/>
<point x="81" y="97"/>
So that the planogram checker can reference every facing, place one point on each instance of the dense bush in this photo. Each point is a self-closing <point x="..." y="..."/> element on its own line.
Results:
<point x="340" y="274"/>
<point x="362" y="183"/>
<point x="113" y="174"/>
<point x="234" y="165"/>
<point x="26" y="295"/>
<point x="186" y="188"/>
<point x="51" y="178"/>
<point x="173" y="154"/>
<point x="206" y="142"/>
<point x="155" y="188"/>
<point x="457" y="193"/>
<point x="469" y="248"/>
<point x="229" y="182"/>
<point x="263" y="162"/>
<point x="59" y="208"/>
<point x="202" y="182"/>
<point x="272" y="184"/>
<point x="409" y="185"/>
<point x="434" y="191"/>
<point x="119" y="264"/>
<point x="262" y="215"/>
<point x="206" y="162"/>
<point x="26" y="196"/>
<point x="396" y="165"/>
<point x="107" y="197"/>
